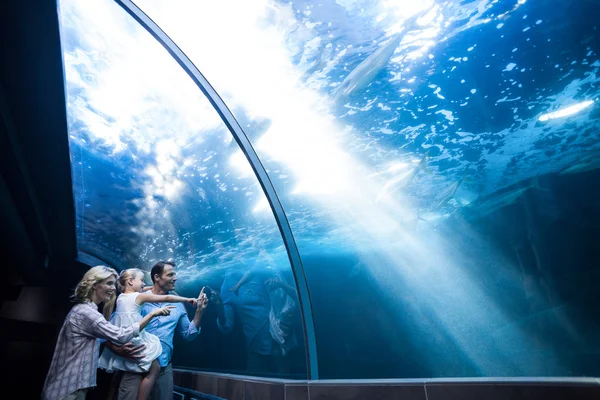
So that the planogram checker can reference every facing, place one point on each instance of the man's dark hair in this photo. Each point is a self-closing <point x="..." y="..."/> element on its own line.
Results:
<point x="159" y="267"/>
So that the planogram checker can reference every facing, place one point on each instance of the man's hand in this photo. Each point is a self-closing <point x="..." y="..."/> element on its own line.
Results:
<point x="202" y="301"/>
<point x="128" y="350"/>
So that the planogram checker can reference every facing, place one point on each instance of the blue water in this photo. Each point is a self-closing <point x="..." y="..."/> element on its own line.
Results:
<point x="437" y="162"/>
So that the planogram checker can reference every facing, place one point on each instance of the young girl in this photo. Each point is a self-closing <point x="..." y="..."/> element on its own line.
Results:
<point x="131" y="286"/>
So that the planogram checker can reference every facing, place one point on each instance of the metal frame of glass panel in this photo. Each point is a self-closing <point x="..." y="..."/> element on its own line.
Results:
<point x="91" y="260"/>
<point x="268" y="188"/>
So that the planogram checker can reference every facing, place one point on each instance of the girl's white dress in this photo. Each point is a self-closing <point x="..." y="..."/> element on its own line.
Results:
<point x="127" y="313"/>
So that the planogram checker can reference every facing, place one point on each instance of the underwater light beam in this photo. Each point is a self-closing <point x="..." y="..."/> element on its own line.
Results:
<point x="565" y="112"/>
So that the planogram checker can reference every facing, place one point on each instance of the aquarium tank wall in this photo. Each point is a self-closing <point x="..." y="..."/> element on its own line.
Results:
<point x="436" y="164"/>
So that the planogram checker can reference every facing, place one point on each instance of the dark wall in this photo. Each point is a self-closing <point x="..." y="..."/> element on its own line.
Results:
<point x="37" y="230"/>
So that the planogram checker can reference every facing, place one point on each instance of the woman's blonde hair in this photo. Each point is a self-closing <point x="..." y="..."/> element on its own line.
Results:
<point x="85" y="287"/>
<point x="121" y="284"/>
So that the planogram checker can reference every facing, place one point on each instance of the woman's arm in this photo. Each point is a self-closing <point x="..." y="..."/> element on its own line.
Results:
<point x="128" y="350"/>
<point x="102" y="329"/>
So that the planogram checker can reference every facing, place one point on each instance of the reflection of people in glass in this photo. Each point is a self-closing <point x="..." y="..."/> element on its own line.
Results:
<point x="266" y="306"/>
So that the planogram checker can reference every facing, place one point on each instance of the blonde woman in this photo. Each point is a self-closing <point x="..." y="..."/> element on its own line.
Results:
<point x="129" y="303"/>
<point x="74" y="363"/>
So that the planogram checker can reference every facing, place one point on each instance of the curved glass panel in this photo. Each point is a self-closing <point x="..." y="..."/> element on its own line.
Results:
<point x="437" y="162"/>
<point x="155" y="178"/>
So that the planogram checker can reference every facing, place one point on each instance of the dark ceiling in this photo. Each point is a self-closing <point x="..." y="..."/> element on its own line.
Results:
<point x="37" y="213"/>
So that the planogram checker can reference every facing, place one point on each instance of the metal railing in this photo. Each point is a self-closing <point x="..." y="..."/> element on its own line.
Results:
<point x="181" y="393"/>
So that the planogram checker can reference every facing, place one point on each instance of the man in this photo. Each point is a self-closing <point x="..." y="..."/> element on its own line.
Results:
<point x="163" y="279"/>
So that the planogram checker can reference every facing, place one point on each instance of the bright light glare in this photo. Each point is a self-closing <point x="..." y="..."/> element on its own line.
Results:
<point x="301" y="133"/>
<point x="407" y="9"/>
<point x="565" y="112"/>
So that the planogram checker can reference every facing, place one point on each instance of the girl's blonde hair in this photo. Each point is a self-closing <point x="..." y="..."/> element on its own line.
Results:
<point x="85" y="287"/>
<point x="126" y="274"/>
